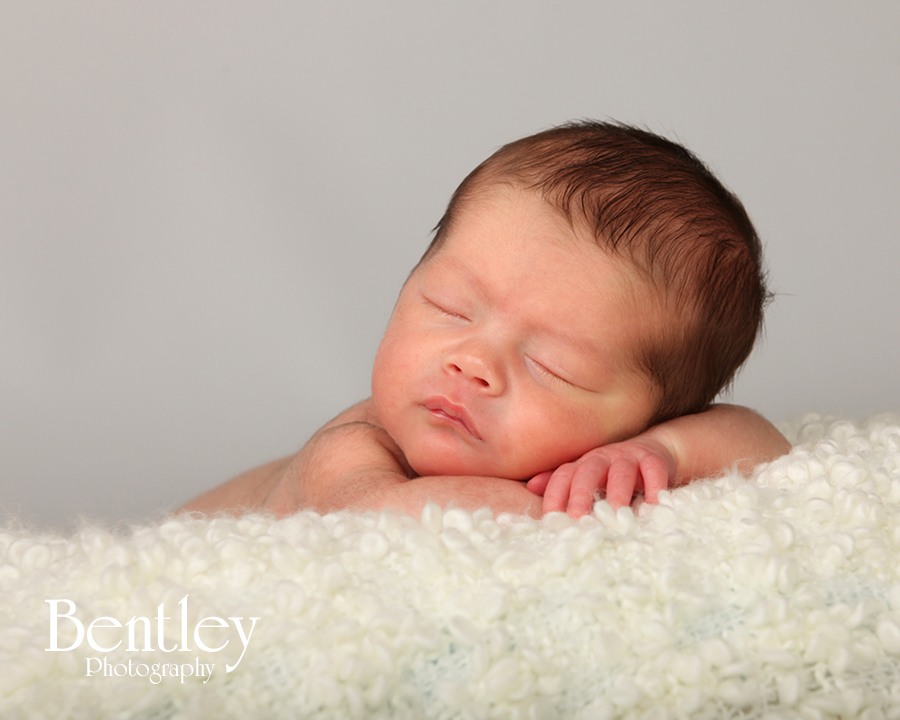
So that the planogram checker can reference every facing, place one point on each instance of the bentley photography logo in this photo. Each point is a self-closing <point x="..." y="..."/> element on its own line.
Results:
<point x="106" y="635"/>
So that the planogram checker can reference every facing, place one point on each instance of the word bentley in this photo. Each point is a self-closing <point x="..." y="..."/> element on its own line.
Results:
<point x="140" y="627"/>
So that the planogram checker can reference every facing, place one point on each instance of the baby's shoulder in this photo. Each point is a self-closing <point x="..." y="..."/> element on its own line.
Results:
<point x="362" y="412"/>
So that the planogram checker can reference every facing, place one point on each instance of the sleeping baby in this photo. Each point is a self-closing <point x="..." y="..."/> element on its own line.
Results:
<point x="587" y="294"/>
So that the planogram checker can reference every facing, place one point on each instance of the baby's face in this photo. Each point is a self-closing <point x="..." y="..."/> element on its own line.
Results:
<point x="511" y="350"/>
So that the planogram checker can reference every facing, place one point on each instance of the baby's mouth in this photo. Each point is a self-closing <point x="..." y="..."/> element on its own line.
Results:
<point x="454" y="414"/>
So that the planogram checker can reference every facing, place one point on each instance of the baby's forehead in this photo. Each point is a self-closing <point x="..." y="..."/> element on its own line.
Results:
<point x="495" y="204"/>
<point x="586" y="279"/>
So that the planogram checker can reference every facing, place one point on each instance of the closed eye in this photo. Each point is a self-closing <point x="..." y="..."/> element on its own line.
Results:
<point x="549" y="374"/>
<point x="442" y="310"/>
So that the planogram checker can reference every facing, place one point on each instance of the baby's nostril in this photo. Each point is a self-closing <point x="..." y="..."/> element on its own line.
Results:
<point x="454" y="367"/>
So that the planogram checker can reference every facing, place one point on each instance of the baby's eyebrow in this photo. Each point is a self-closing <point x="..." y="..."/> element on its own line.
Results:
<point x="467" y="274"/>
<point x="584" y="345"/>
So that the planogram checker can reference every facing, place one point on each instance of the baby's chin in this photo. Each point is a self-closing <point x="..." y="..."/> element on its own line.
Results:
<point x="432" y="452"/>
<point x="432" y="465"/>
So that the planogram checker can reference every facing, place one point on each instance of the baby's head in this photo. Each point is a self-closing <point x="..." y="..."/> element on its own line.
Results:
<point x="584" y="283"/>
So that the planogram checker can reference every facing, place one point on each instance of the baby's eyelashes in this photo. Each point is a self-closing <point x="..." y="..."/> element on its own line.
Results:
<point x="442" y="310"/>
<point x="548" y="373"/>
<point x="557" y="378"/>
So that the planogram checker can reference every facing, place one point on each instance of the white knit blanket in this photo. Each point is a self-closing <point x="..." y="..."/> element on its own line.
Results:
<point x="776" y="596"/>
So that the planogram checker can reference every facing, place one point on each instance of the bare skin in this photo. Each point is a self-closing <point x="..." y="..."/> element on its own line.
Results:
<point x="506" y="378"/>
<point x="352" y="463"/>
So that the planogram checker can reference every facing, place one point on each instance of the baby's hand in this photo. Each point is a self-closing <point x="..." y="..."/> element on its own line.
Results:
<point x="622" y="468"/>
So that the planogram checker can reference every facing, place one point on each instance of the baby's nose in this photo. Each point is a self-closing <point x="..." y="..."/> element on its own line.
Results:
<point x="477" y="367"/>
<point x="476" y="376"/>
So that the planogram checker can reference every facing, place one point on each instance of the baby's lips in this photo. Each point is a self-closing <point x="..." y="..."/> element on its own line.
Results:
<point x="457" y="414"/>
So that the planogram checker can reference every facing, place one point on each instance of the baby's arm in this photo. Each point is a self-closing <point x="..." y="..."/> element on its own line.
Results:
<point x="358" y="466"/>
<point x="351" y="463"/>
<point x="672" y="453"/>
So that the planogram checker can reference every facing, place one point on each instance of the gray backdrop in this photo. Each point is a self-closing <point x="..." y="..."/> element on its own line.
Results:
<point x="207" y="208"/>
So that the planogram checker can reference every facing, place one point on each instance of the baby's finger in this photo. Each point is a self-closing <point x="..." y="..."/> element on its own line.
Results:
<point x="538" y="484"/>
<point x="589" y="477"/>
<point x="556" y="494"/>
<point x="655" y="473"/>
<point x="621" y="481"/>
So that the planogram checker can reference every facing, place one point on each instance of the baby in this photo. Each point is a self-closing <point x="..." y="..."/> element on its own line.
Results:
<point x="588" y="292"/>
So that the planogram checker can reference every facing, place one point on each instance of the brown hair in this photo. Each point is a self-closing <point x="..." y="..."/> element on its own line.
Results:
<point x="654" y="202"/>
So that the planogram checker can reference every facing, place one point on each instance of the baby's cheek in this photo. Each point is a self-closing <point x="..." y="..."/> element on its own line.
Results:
<point x="388" y="393"/>
<point x="555" y="446"/>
